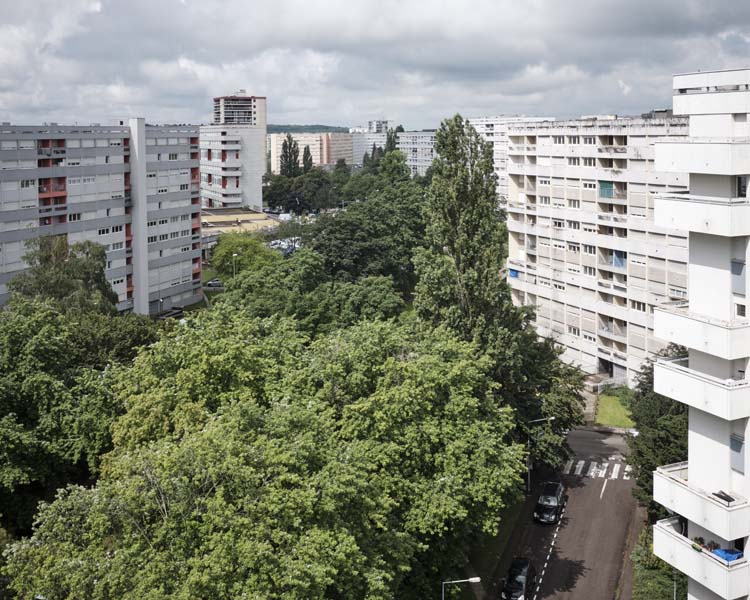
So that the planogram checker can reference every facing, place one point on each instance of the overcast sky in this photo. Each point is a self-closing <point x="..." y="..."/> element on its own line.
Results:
<point x="341" y="62"/>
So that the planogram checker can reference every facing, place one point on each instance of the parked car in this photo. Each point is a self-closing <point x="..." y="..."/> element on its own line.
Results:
<point x="551" y="501"/>
<point x="214" y="283"/>
<point x="521" y="580"/>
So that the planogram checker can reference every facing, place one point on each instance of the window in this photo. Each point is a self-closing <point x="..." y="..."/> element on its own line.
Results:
<point x="573" y="203"/>
<point x="574" y="139"/>
<point x="574" y="161"/>
<point x="589" y="162"/>
<point x="91" y="179"/>
<point x="737" y="448"/>
<point x="183" y="186"/>
<point x="639" y="306"/>
<point x="742" y="186"/>
<point x="185" y="249"/>
<point x="174" y="219"/>
<point x="152" y="223"/>
<point x="184" y="232"/>
<point x="104" y="231"/>
<point x="589" y="338"/>
<point x="588" y="249"/>
<point x="574" y="330"/>
<point x="543" y="181"/>
<point x="557" y="224"/>
<point x="573" y="247"/>
<point x="739" y="310"/>
<point x="184" y="217"/>
<point x="116" y="228"/>
<point x="589" y="185"/>
<point x="589" y="140"/>
<point x="151" y="239"/>
<point x="74" y="217"/>
<point x="591" y="228"/>
<point x="574" y="225"/>
<point x="163" y="221"/>
<point x="173" y="156"/>
<point x="543" y="199"/>
<point x="558" y="139"/>
<point x="738" y="277"/>
<point x="558" y="286"/>
<point x="173" y="235"/>
<point x="163" y="236"/>
<point x="590" y="271"/>
<point x="28" y="183"/>
<point x="109" y="264"/>
<point x="677" y="293"/>
<point x="162" y="190"/>
<point x="119" y="281"/>
<point x="151" y="175"/>
<point x="118" y="245"/>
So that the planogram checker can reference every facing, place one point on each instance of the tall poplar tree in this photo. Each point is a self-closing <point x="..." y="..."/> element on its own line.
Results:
<point x="289" y="166"/>
<point x="307" y="160"/>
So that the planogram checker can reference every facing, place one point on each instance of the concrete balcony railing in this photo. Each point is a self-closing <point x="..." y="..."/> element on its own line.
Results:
<point x="729" y="340"/>
<point x="614" y="334"/>
<point x="703" y="214"/>
<point x="727" y="580"/>
<point x="727" y="399"/>
<point x="710" y="157"/>
<point x="724" y="513"/>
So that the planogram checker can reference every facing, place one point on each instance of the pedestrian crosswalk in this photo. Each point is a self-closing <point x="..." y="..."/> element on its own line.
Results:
<point x="598" y="470"/>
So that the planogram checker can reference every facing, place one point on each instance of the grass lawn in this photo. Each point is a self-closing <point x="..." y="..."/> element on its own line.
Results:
<point x="611" y="412"/>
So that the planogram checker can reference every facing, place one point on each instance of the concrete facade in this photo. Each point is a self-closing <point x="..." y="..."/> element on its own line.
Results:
<point x="363" y="142"/>
<point x="495" y="131"/>
<point x="313" y="140"/>
<point x="131" y="187"/>
<point x="419" y="149"/>
<point x="708" y="536"/>
<point x="583" y="245"/>
<point x="233" y="154"/>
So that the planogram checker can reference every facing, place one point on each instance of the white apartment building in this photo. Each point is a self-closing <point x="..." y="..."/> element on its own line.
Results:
<point x="313" y="140"/>
<point x="131" y="187"/>
<point x="363" y="142"/>
<point x="707" y="538"/>
<point x="495" y="131"/>
<point x="583" y="245"/>
<point x="233" y="153"/>
<point x="380" y="125"/>
<point x="419" y="149"/>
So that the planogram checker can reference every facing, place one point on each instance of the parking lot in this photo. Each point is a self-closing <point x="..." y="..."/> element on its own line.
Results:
<point x="582" y="556"/>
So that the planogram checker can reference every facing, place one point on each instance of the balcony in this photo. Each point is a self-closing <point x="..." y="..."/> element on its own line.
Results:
<point x="614" y="333"/>
<point x="612" y="149"/>
<point x="613" y="263"/>
<point x="608" y="193"/>
<point x="724" y="513"/>
<point x="704" y="214"/>
<point x="728" y="399"/>
<point x="726" y="339"/>
<point x="728" y="580"/>
<point x="710" y="157"/>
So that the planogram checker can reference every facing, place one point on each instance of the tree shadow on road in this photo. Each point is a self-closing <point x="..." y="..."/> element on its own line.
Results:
<point x="571" y="571"/>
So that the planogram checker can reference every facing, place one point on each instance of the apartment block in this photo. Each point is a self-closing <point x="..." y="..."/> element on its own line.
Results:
<point x="583" y="245"/>
<point x="706" y="538"/>
<point x="131" y="187"/>
<point x="336" y="147"/>
<point x="313" y="140"/>
<point x="495" y="131"/>
<point x="363" y="142"/>
<point x="233" y="153"/>
<point x="419" y="149"/>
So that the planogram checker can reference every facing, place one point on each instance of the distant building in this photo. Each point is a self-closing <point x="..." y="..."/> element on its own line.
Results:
<point x="495" y="131"/>
<point x="132" y="188"/>
<point x="419" y="149"/>
<point x="325" y="148"/>
<point x="337" y="146"/>
<point x="233" y="153"/>
<point x="363" y="142"/>
<point x="379" y="126"/>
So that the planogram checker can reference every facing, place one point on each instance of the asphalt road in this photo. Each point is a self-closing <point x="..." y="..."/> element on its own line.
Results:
<point x="582" y="557"/>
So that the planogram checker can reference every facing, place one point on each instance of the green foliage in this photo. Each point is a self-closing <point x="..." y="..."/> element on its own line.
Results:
<point x="653" y="579"/>
<point x="307" y="160"/>
<point x="352" y="468"/>
<point x="459" y="286"/>
<point x="376" y="237"/>
<point x="71" y="276"/>
<point x="391" y="141"/>
<point x="251" y="253"/>
<point x="662" y="425"/>
<point x="299" y="287"/>
<point x="611" y="412"/>
<point x="289" y="160"/>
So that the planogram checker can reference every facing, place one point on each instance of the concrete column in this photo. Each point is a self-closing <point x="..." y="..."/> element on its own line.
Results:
<point x="139" y="195"/>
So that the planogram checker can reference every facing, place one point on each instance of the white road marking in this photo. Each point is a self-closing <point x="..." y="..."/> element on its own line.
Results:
<point x="615" y="471"/>
<point x="579" y="467"/>
<point x="603" y="470"/>
<point x="568" y="467"/>
<point x="604" y="486"/>
<point x="628" y="470"/>
<point x="593" y="467"/>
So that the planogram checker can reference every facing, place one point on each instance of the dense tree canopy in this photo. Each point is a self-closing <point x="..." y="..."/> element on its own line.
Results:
<point x="338" y="470"/>
<point x="289" y="160"/>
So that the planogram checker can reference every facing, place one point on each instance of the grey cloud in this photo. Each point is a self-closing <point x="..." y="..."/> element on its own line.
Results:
<point x="343" y="62"/>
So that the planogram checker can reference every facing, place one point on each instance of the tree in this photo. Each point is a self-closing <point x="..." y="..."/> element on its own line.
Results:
<point x="662" y="425"/>
<point x="357" y="466"/>
<point x="391" y="141"/>
<point x="459" y="286"/>
<point x="653" y="579"/>
<point x="307" y="160"/>
<point x="399" y="129"/>
<point x="236" y="252"/>
<point x="289" y="165"/>
<point x="70" y="276"/>
<point x="315" y="190"/>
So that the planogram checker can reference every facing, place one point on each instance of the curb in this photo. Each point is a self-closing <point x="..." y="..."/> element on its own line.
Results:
<point x="605" y="429"/>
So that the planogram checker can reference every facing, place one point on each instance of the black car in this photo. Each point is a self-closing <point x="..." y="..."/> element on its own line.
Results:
<point x="551" y="501"/>
<point x="521" y="581"/>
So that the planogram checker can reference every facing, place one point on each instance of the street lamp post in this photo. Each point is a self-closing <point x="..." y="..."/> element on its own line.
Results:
<point x="234" y="264"/>
<point x="469" y="580"/>
<point x="528" y="447"/>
